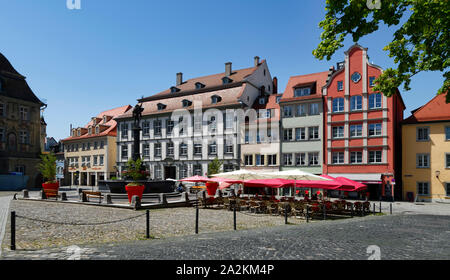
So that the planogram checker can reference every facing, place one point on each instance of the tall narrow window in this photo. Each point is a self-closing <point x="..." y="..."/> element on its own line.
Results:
<point x="375" y="101"/>
<point x="356" y="103"/>
<point x="338" y="105"/>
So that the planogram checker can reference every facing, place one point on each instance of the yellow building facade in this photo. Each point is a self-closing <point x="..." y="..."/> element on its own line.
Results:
<point x="426" y="153"/>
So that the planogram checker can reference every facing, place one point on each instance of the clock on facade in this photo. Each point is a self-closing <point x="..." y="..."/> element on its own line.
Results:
<point x="356" y="77"/>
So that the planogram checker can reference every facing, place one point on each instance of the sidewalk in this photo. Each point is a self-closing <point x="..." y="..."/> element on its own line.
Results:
<point x="4" y="211"/>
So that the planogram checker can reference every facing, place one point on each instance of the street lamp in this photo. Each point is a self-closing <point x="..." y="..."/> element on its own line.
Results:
<point x="438" y="173"/>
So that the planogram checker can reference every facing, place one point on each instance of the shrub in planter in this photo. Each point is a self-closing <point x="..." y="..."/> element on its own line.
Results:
<point x="47" y="167"/>
<point x="136" y="171"/>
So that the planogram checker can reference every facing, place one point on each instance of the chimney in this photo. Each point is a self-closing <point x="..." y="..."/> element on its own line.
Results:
<point x="71" y="130"/>
<point x="179" y="78"/>
<point x="256" y="61"/>
<point x="228" y="69"/>
<point x="275" y="85"/>
<point x="330" y="73"/>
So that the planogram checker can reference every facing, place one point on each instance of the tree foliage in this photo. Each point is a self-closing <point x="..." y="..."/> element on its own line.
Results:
<point x="214" y="167"/>
<point x="420" y="44"/>
<point x="47" y="167"/>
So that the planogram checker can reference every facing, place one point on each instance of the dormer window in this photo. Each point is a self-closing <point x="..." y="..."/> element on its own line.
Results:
<point x="90" y="130"/>
<point x="174" y="89"/>
<point x="215" y="99"/>
<point x="97" y="130"/>
<point x="302" y="91"/>
<point x="79" y="132"/>
<point x="199" y="85"/>
<point x="161" y="106"/>
<point x="226" y="80"/>
<point x="186" y="103"/>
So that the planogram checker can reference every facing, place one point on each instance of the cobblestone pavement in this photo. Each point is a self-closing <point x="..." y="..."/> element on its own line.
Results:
<point x="397" y="236"/>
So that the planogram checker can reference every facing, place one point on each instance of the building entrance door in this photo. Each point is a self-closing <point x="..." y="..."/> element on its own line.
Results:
<point x="375" y="191"/>
<point x="170" y="172"/>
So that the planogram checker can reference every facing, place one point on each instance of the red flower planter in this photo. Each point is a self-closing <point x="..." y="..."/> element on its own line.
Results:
<point x="50" y="186"/>
<point x="134" y="190"/>
<point x="211" y="187"/>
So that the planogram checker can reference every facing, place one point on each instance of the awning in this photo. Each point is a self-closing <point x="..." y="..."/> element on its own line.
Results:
<point x="371" y="178"/>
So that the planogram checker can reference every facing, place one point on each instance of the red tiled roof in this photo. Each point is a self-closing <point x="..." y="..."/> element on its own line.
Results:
<point x="435" y="110"/>
<point x="210" y="81"/>
<point x="319" y="79"/>
<point x="111" y="124"/>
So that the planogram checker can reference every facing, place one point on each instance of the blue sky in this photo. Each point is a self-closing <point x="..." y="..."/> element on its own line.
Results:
<point x="111" y="52"/>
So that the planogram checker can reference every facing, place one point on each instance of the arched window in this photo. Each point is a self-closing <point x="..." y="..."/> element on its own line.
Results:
<point x="338" y="104"/>
<point x="375" y="101"/>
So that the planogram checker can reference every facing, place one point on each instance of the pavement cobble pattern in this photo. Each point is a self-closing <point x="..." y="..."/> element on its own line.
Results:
<point x="397" y="236"/>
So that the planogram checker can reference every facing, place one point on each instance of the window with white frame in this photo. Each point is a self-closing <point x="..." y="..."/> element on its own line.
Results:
<point x="302" y="110"/>
<point x="198" y="123"/>
<point x="259" y="160"/>
<point x="102" y="144"/>
<point x="375" y="156"/>
<point x="157" y="148"/>
<point x="183" y="149"/>
<point x="248" y="160"/>
<point x="300" y="133"/>
<point x="303" y="91"/>
<point x="375" y="129"/>
<point x="146" y="150"/>
<point x="212" y="125"/>
<point x="371" y="81"/>
<point x="198" y="169"/>
<point x="287" y="159"/>
<point x="124" y="131"/>
<point x="229" y="146"/>
<point x="102" y="160"/>
<point x="229" y="120"/>
<point x="97" y="130"/>
<point x="212" y="148"/>
<point x="183" y="171"/>
<point x="314" y="109"/>
<point x="157" y="127"/>
<point x="90" y="130"/>
<point x="356" y="130"/>
<point x="340" y="85"/>
<point x="287" y="111"/>
<point x="23" y="113"/>
<point x="145" y="128"/>
<point x="338" y="157"/>
<point x="338" y="132"/>
<point x="300" y="159"/>
<point x="23" y="137"/>
<point x="158" y="172"/>
<point x="338" y="105"/>
<point x="313" y="159"/>
<point x="423" y="188"/>
<point x="423" y="134"/>
<point x="356" y="103"/>
<point x="124" y="151"/>
<point x="95" y="160"/>
<point x="355" y="157"/>
<point x="198" y="149"/>
<point x="375" y="101"/>
<point x="170" y="149"/>
<point x="313" y="132"/>
<point x="182" y="126"/>
<point x="423" y="160"/>
<point x="287" y="134"/>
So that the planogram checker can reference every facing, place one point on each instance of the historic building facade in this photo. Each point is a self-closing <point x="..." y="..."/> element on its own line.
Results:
<point x="362" y="127"/>
<point x="260" y="150"/>
<point x="20" y="125"/>
<point x="302" y="123"/>
<point x="426" y="152"/>
<point x="90" y="151"/>
<point x="188" y="125"/>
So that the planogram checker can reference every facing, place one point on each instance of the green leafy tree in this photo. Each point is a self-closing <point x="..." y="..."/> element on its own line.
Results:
<point x="47" y="167"/>
<point x="136" y="171"/>
<point x="420" y="44"/>
<point x="214" y="167"/>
